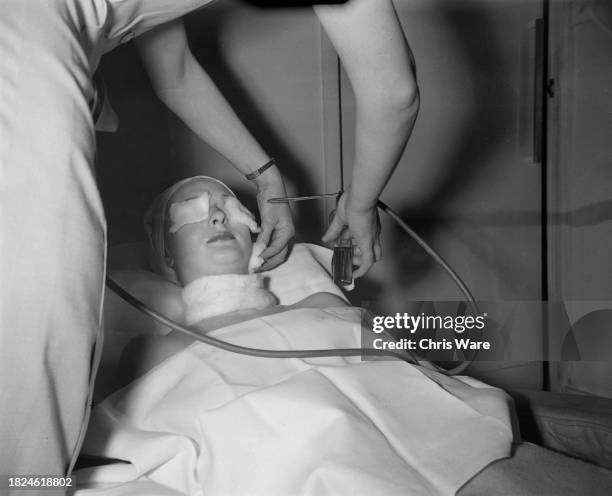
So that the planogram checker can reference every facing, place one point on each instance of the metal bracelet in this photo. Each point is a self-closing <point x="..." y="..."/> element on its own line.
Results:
<point x="256" y="173"/>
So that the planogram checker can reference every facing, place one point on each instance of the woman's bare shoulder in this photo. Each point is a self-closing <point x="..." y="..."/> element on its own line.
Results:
<point x="320" y="300"/>
<point x="152" y="289"/>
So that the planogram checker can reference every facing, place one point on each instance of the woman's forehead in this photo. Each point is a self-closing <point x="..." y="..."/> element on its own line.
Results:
<point x="195" y="188"/>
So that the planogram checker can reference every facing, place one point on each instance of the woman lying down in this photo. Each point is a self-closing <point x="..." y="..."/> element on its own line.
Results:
<point x="197" y="420"/>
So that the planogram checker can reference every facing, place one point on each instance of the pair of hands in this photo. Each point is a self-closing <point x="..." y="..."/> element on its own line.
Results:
<point x="362" y="226"/>
<point x="277" y="229"/>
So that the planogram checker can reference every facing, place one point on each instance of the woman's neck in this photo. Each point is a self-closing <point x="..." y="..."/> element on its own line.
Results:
<point x="212" y="296"/>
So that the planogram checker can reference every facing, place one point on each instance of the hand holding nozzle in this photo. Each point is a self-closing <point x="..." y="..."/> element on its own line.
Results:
<point x="362" y="227"/>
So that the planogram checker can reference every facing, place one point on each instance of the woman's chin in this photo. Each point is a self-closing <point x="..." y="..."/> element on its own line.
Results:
<point x="225" y="264"/>
<point x="218" y="270"/>
<point x="229" y="260"/>
<point x="231" y="269"/>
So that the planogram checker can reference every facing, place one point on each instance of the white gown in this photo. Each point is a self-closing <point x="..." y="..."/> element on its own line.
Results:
<point x="52" y="225"/>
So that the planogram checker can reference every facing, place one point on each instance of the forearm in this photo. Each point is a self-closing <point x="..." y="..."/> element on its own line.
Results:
<point x="380" y="67"/>
<point x="188" y="91"/>
<point x="381" y="133"/>
<point x="197" y="101"/>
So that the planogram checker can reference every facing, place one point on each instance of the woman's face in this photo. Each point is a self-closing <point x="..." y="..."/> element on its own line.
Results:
<point x="212" y="246"/>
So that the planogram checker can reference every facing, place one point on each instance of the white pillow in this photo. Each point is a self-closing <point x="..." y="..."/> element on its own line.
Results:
<point x="306" y="271"/>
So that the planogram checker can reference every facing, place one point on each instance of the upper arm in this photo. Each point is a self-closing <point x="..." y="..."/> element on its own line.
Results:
<point x="152" y="290"/>
<point x="165" y="54"/>
<point x="371" y="45"/>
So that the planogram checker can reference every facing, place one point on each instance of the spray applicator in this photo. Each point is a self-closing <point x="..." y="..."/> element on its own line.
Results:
<point x="342" y="264"/>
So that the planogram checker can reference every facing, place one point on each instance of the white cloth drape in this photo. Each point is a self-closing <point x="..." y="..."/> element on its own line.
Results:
<point x="209" y="422"/>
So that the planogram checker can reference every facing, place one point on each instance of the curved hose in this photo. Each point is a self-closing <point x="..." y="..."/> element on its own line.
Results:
<point x="449" y="270"/>
<point x="404" y="355"/>
<point x="243" y="350"/>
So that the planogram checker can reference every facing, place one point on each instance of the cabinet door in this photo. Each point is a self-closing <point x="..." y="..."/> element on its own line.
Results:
<point x="580" y="194"/>
<point x="468" y="180"/>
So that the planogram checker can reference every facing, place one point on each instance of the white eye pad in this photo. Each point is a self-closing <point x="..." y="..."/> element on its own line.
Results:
<point x="197" y="210"/>
<point x="238" y="213"/>
<point x="189" y="211"/>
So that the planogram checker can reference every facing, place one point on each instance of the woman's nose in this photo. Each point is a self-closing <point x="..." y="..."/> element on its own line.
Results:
<point x="217" y="216"/>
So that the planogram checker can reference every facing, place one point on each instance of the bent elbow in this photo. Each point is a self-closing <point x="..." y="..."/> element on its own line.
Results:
<point x="393" y="98"/>
<point x="405" y="98"/>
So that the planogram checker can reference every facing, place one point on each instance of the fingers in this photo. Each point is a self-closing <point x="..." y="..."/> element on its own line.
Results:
<point x="279" y="240"/>
<point x="366" y="262"/>
<point x="365" y="254"/>
<point x="275" y="260"/>
<point x="377" y="251"/>
<point x="334" y="230"/>
<point x="276" y="232"/>
<point x="265" y="234"/>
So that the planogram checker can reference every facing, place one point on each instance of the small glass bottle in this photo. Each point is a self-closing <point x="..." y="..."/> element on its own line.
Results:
<point x="342" y="262"/>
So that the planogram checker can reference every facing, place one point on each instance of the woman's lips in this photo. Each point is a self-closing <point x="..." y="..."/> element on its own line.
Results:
<point x="224" y="236"/>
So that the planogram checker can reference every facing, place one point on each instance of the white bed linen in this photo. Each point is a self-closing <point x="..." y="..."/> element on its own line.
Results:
<point x="206" y="421"/>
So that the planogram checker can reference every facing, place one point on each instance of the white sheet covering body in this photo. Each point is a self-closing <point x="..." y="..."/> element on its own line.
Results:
<point x="209" y="422"/>
<point x="52" y="227"/>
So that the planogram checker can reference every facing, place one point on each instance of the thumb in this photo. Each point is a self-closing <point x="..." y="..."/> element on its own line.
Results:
<point x="334" y="230"/>
<point x="265" y="234"/>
